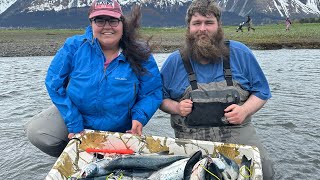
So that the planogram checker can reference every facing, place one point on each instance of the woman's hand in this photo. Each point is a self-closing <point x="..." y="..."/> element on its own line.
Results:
<point x="71" y="135"/>
<point x="136" y="128"/>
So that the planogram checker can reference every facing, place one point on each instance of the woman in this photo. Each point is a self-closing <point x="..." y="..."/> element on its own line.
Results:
<point x="288" y="24"/>
<point x="103" y="80"/>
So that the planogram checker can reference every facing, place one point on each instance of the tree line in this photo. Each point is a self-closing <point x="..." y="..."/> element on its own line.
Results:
<point x="309" y="20"/>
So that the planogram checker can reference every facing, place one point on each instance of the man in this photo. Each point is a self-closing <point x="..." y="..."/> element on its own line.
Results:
<point x="249" y="22"/>
<point x="212" y="88"/>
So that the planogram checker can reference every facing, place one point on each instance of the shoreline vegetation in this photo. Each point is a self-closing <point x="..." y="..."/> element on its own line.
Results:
<point x="46" y="42"/>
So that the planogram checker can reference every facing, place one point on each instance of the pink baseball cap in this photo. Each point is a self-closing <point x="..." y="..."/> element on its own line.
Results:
<point x="105" y="8"/>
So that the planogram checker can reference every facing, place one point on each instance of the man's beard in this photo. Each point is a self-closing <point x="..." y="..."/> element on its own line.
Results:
<point x="206" y="48"/>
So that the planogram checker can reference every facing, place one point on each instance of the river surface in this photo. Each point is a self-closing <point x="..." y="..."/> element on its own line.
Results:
<point x="288" y="125"/>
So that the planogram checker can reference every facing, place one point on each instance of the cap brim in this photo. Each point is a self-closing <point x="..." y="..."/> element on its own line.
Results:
<point x="105" y="13"/>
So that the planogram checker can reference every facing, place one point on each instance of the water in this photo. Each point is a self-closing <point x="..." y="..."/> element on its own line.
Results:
<point x="288" y="124"/>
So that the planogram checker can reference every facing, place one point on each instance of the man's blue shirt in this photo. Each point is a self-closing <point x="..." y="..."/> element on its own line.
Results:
<point x="244" y="66"/>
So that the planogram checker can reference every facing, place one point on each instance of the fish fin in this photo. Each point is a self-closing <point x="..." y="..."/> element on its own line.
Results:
<point x="246" y="161"/>
<point x="163" y="152"/>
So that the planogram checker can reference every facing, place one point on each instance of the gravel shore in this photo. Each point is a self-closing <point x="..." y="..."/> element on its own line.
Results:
<point x="49" y="47"/>
<point x="44" y="43"/>
<point x="16" y="49"/>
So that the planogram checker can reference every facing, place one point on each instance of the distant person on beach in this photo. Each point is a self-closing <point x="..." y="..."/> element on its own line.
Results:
<point x="212" y="87"/>
<point x="102" y="80"/>
<point x="288" y="24"/>
<point x="249" y="23"/>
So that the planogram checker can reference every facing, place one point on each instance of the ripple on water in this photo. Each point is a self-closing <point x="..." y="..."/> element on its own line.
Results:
<point x="11" y="93"/>
<point x="288" y="125"/>
<point x="5" y="96"/>
<point x="22" y="159"/>
<point x="315" y="162"/>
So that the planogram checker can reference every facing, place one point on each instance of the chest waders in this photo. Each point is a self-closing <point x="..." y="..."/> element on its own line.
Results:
<point x="207" y="122"/>
<point x="210" y="100"/>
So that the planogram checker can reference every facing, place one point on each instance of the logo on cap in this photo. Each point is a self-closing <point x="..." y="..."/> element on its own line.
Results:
<point x="104" y="2"/>
<point x="105" y="7"/>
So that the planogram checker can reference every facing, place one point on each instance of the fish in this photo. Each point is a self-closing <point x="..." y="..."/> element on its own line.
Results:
<point x="218" y="162"/>
<point x="111" y="177"/>
<point x="172" y="172"/>
<point x="96" y="168"/>
<point x="205" y="168"/>
<point x="213" y="173"/>
<point x="142" y="162"/>
<point x="134" y="173"/>
<point x="245" y="170"/>
<point x="231" y="171"/>
<point x="119" y="175"/>
<point x="198" y="171"/>
<point x="208" y="168"/>
<point x="215" y="168"/>
<point x="190" y="164"/>
<point x="129" y="165"/>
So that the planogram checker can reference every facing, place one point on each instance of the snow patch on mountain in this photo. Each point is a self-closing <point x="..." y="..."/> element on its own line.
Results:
<point x="238" y="4"/>
<point x="287" y="7"/>
<point x="240" y="7"/>
<point x="5" y="4"/>
<point x="58" y="5"/>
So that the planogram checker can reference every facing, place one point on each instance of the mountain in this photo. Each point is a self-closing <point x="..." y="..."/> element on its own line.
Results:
<point x="73" y="13"/>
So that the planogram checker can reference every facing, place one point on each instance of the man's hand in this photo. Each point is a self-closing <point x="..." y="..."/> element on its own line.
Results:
<point x="235" y="114"/>
<point x="182" y="108"/>
<point x="185" y="107"/>
<point x="136" y="128"/>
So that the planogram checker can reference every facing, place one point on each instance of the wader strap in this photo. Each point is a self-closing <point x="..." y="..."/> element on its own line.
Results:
<point x="226" y="68"/>
<point x="191" y="75"/>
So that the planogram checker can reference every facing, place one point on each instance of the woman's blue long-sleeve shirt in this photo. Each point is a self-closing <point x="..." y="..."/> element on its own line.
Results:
<point x="88" y="96"/>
